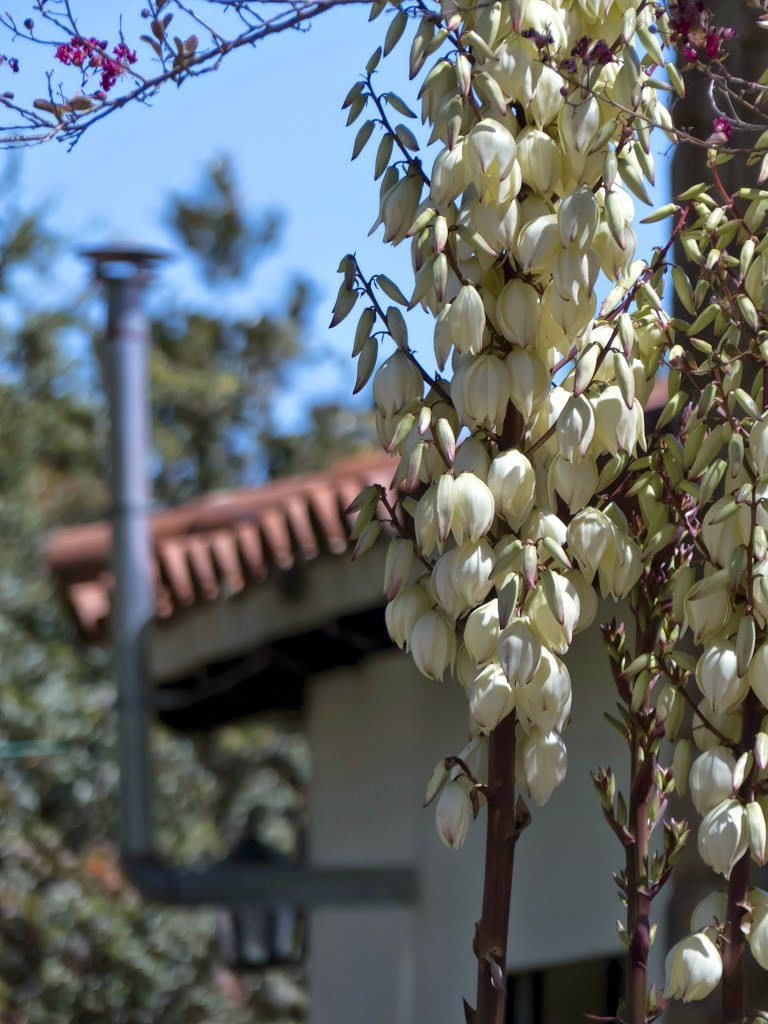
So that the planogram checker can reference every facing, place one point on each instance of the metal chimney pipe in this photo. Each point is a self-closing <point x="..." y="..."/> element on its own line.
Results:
<point x="124" y="273"/>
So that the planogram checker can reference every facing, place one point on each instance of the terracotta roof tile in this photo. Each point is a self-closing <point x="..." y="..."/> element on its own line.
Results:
<point x="212" y="548"/>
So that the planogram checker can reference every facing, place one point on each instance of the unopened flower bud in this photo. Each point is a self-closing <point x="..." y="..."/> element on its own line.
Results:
<point x="397" y="567"/>
<point x="722" y="840"/>
<point x="481" y="632"/>
<point x="545" y="762"/>
<point x="453" y="814"/>
<point x="433" y="644"/>
<point x="670" y="709"/>
<point x="693" y="969"/>
<point x="756" y="833"/>
<point x="758" y="444"/>
<point x="711" y="778"/>
<point x="681" y="765"/>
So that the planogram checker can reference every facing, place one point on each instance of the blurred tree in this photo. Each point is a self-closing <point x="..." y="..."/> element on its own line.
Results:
<point x="76" y="941"/>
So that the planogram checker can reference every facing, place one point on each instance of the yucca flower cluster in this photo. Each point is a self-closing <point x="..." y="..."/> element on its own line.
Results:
<point x="528" y="199"/>
<point x="524" y="475"/>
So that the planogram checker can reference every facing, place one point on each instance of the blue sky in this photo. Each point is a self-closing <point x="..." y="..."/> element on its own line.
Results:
<point x="276" y="111"/>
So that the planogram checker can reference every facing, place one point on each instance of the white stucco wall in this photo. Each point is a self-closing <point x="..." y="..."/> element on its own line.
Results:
<point x="375" y="733"/>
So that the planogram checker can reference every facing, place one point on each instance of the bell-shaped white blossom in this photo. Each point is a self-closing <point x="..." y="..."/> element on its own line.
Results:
<point x="693" y="969"/>
<point x="575" y="428"/>
<point x="396" y="384"/>
<point x="472" y="457"/>
<point x="589" y="534"/>
<point x="453" y="603"/>
<point x="709" y="912"/>
<point x="545" y="701"/>
<point x="728" y="723"/>
<point x="519" y="652"/>
<point x="540" y="160"/>
<point x="491" y="697"/>
<point x="574" y="272"/>
<point x="718" y="678"/>
<point x="578" y="122"/>
<point x="708" y="606"/>
<point x="453" y="813"/>
<point x="578" y="217"/>
<point x="587" y="599"/>
<point x="757" y="936"/>
<point x="512" y="483"/>
<point x="620" y="567"/>
<point x="757" y="674"/>
<point x="517" y="311"/>
<point x="472" y="571"/>
<point x="722" y="840"/>
<point x="545" y="762"/>
<point x="554" y="633"/>
<point x="618" y="428"/>
<point x="711" y="778"/>
<point x="466" y="320"/>
<point x="481" y="632"/>
<point x="758" y="444"/>
<point x="496" y="223"/>
<point x="402" y="613"/>
<point x="721" y="537"/>
<point x="575" y="482"/>
<point x="481" y="391"/>
<point x="537" y="243"/>
<point x="529" y="381"/>
<point x="490" y="152"/>
<point x="433" y="644"/>
<point x="474" y="508"/>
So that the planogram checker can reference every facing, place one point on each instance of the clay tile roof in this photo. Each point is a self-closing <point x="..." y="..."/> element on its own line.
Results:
<point x="215" y="546"/>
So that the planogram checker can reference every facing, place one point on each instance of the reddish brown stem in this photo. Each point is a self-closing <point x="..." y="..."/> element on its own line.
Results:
<point x="638" y="902"/>
<point x="501" y="837"/>
<point x="734" y="944"/>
